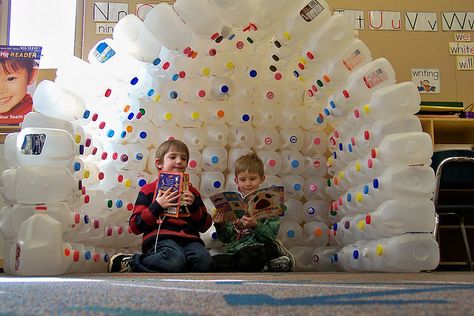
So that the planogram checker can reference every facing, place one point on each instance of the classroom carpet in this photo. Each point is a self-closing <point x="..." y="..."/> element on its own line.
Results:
<point x="425" y="293"/>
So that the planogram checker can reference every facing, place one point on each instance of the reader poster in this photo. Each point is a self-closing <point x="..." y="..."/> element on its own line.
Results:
<point x="19" y="67"/>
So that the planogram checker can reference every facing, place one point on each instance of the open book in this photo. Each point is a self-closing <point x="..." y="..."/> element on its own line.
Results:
<point x="177" y="181"/>
<point x="262" y="203"/>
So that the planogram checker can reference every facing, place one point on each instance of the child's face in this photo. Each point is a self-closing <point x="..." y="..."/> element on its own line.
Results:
<point x="12" y="88"/>
<point x="173" y="161"/>
<point x="248" y="181"/>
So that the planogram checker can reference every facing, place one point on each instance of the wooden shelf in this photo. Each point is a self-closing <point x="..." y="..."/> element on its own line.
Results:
<point x="448" y="130"/>
<point x="5" y="130"/>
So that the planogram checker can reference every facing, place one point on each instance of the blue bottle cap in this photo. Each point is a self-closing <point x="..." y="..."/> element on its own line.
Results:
<point x="156" y="62"/>
<point x="291" y="233"/>
<point x="77" y="166"/>
<point x="110" y="133"/>
<point x="141" y="182"/>
<point x="216" y="184"/>
<point x="86" y="114"/>
<point x="214" y="159"/>
<point x="253" y="73"/>
<point x="224" y="88"/>
<point x="139" y="156"/>
<point x="297" y="187"/>
<point x="375" y="183"/>
<point x="143" y="134"/>
<point x="134" y="81"/>
<point x="295" y="163"/>
<point x="355" y="254"/>
<point x="118" y="203"/>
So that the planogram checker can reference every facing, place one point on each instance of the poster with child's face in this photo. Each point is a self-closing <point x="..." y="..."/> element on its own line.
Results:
<point x="18" y="74"/>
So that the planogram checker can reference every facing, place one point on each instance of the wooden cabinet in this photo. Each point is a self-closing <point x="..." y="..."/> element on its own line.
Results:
<point x="453" y="132"/>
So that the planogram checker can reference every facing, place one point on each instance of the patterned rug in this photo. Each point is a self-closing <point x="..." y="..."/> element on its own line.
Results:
<point x="429" y="293"/>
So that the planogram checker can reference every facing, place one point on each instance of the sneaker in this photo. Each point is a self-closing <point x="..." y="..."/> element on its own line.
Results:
<point x="280" y="264"/>
<point x="119" y="262"/>
<point x="285" y="252"/>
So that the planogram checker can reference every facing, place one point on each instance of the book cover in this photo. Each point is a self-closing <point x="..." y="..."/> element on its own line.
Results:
<point x="177" y="181"/>
<point x="20" y="63"/>
<point x="262" y="203"/>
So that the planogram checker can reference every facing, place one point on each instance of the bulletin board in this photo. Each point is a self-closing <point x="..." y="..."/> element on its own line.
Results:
<point x="406" y="50"/>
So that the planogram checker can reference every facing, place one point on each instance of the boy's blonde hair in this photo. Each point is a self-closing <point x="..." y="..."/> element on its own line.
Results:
<point x="167" y="146"/>
<point x="250" y="162"/>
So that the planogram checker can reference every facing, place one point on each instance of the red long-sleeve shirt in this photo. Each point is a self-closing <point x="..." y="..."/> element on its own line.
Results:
<point x="147" y="213"/>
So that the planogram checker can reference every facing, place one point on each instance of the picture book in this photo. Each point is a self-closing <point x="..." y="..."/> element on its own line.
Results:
<point x="262" y="203"/>
<point x="177" y="181"/>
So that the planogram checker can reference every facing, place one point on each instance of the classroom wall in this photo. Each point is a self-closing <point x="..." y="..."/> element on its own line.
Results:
<point x="405" y="50"/>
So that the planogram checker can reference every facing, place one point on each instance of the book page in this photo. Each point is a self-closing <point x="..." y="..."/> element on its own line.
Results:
<point x="265" y="202"/>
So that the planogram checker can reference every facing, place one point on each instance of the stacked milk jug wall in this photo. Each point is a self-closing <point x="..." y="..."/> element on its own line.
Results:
<point x="227" y="77"/>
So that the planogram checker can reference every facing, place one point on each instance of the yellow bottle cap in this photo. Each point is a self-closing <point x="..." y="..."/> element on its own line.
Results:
<point x="287" y="36"/>
<point x="379" y="250"/>
<point x="168" y="116"/>
<point x="77" y="138"/>
<point x="358" y="166"/>
<point x="366" y="108"/>
<point x="359" y="197"/>
<point x="195" y="115"/>
<point x="205" y="71"/>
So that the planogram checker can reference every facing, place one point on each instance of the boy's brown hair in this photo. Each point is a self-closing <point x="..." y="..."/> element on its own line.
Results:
<point x="9" y="66"/>
<point x="250" y="162"/>
<point x="168" y="145"/>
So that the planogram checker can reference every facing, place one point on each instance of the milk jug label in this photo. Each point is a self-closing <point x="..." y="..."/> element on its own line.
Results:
<point x="33" y="144"/>
<point x="311" y="10"/>
<point x="103" y="52"/>
<point x="353" y="60"/>
<point x="375" y="78"/>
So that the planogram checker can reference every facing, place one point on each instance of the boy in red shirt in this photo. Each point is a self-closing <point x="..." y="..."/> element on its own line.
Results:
<point x="170" y="244"/>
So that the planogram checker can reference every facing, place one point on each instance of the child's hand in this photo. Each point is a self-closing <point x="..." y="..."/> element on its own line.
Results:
<point x="247" y="222"/>
<point x="167" y="198"/>
<point x="219" y="216"/>
<point x="188" y="198"/>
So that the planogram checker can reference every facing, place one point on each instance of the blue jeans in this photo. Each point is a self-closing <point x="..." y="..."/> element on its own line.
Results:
<point x="174" y="256"/>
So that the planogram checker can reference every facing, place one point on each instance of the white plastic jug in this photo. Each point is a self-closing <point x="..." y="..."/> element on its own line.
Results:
<point x="315" y="234"/>
<point x="45" y="146"/>
<point x="34" y="185"/>
<point x="266" y="139"/>
<point x="214" y="158"/>
<point x="212" y="182"/>
<point x="136" y="39"/>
